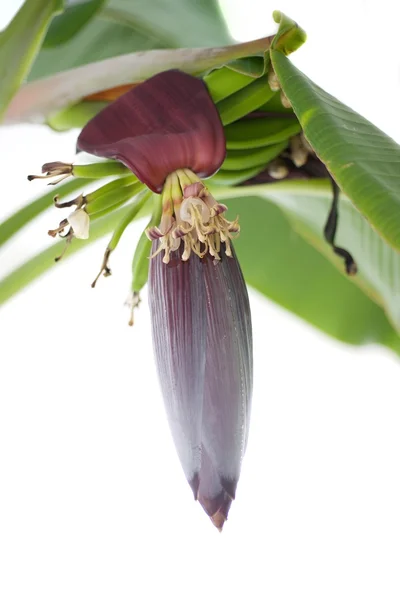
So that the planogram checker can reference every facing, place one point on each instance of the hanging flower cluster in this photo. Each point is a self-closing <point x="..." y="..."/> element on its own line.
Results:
<point x="168" y="133"/>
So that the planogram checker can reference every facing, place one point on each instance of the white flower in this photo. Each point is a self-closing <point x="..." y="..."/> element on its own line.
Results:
<point x="80" y="222"/>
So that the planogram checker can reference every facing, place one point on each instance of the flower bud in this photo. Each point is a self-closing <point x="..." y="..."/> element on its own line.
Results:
<point x="203" y="347"/>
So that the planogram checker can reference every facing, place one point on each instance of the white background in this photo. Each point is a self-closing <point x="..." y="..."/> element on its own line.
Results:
<point x="93" y="503"/>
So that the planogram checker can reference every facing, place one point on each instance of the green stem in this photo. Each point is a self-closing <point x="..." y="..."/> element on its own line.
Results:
<point x="133" y="211"/>
<point x="108" y="168"/>
<point x="112" y="194"/>
<point x="140" y="263"/>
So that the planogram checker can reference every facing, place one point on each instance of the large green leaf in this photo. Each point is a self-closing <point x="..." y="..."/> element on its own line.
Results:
<point x="179" y="24"/>
<point x="123" y="26"/>
<point x="20" y="42"/>
<point x="280" y="264"/>
<point x="363" y="160"/>
<point x="38" y="100"/>
<point x="307" y="204"/>
<point x="75" y="16"/>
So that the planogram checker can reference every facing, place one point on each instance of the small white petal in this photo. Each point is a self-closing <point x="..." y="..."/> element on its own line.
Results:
<point x="185" y="213"/>
<point x="80" y="221"/>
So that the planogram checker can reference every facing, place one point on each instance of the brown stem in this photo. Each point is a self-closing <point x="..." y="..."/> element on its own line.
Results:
<point x="104" y="267"/>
